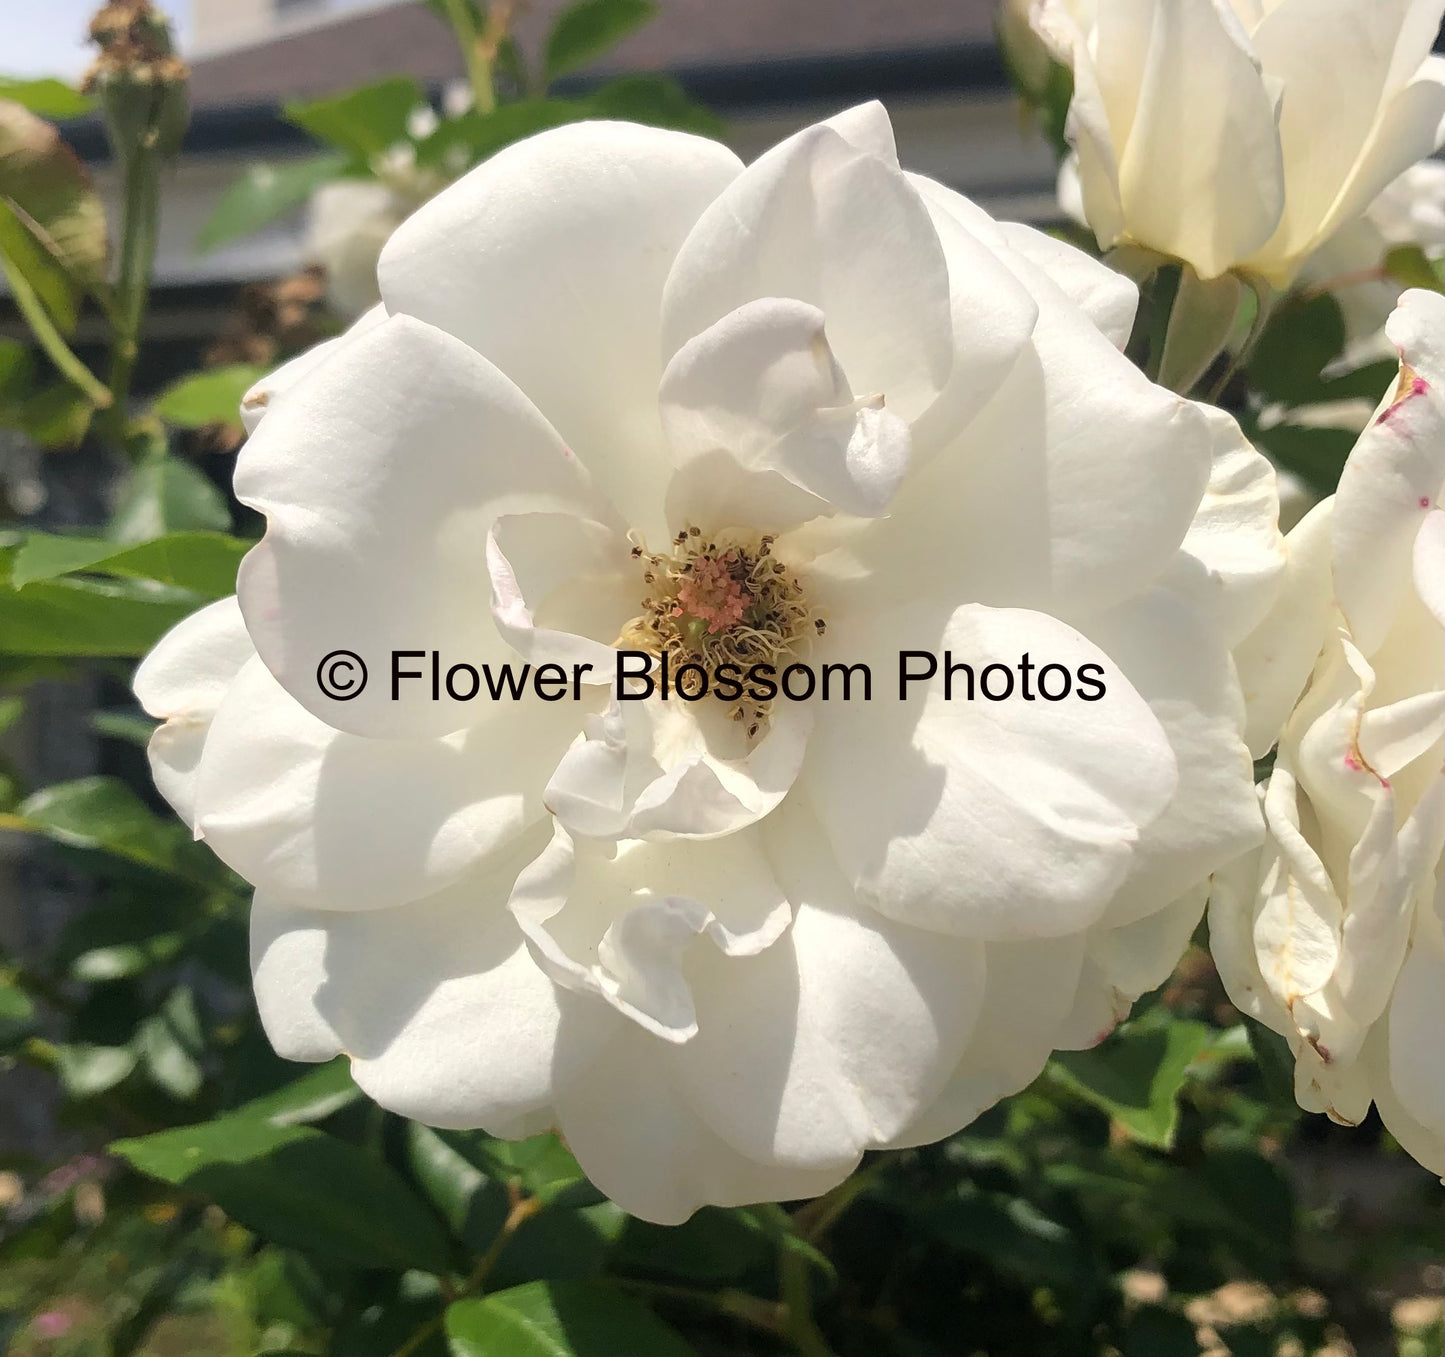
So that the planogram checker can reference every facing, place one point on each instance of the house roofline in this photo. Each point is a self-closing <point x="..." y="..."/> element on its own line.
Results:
<point x="774" y="82"/>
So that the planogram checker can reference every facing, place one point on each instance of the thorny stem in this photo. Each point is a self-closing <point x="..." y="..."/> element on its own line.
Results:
<point x="50" y="339"/>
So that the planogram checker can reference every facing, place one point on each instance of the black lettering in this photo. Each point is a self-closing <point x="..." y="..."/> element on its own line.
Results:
<point x="682" y="684"/>
<point x="905" y="678"/>
<point x="728" y="688"/>
<point x="550" y="674"/>
<point x="505" y="679"/>
<point x="983" y="681"/>
<point x="949" y="670"/>
<point x="1026" y="668"/>
<point x="476" y="682"/>
<point x="762" y="674"/>
<point x="798" y="669"/>
<point x="398" y="673"/>
<point x="1085" y="678"/>
<point x="624" y="693"/>
<point x="1044" y="687"/>
<point x="847" y="671"/>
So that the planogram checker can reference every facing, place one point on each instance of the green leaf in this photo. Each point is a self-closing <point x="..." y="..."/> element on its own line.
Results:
<point x="1014" y="1236"/>
<point x="17" y="374"/>
<point x="585" y="31"/>
<point x="170" y="1044"/>
<point x="541" y="1166"/>
<point x="562" y="1243"/>
<point x="657" y="101"/>
<point x="472" y="1204"/>
<point x="55" y="415"/>
<point x="265" y="192"/>
<point x="559" y="1319"/>
<point x="1275" y="1060"/>
<point x="103" y="813"/>
<point x="296" y="1186"/>
<point x="1135" y="1075"/>
<point x="1410" y="266"/>
<point x="48" y="97"/>
<point x="11" y="710"/>
<point x="713" y="1245"/>
<point x="312" y="1097"/>
<point x="115" y="942"/>
<point x="166" y="494"/>
<point x="209" y="397"/>
<point x="86" y="1071"/>
<point x="17" y="1014"/>
<point x="205" y="562"/>
<point x="1316" y="454"/>
<point x="130" y="727"/>
<point x="474" y="136"/>
<point x="363" y="122"/>
<point x="77" y="617"/>
<point x="58" y="293"/>
<point x="1301" y="339"/>
<point x="48" y="191"/>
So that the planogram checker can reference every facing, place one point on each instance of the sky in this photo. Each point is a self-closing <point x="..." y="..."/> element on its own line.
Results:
<point x="47" y="37"/>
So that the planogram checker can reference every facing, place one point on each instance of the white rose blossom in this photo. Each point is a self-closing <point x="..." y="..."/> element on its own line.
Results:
<point x="1332" y="933"/>
<point x="1411" y="211"/>
<point x="623" y="391"/>
<point x="1243" y="134"/>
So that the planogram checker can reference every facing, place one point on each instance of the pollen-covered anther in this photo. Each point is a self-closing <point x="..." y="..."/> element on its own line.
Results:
<point x="721" y="599"/>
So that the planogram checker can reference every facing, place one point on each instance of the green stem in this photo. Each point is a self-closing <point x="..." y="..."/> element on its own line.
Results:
<point x="474" y="53"/>
<point x="794" y="1285"/>
<point x="523" y="1209"/>
<point x="815" y="1219"/>
<point x="137" y="258"/>
<point x="798" y="1322"/>
<point x="1267" y="300"/>
<point x="1164" y="293"/>
<point x="50" y="339"/>
<point x="761" y="1314"/>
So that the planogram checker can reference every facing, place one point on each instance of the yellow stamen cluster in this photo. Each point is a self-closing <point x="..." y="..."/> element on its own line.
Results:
<point x="716" y="600"/>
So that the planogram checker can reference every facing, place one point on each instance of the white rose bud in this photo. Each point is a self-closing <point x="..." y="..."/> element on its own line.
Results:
<point x="1242" y="134"/>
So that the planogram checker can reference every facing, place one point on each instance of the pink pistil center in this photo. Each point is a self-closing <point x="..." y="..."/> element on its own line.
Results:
<point x="711" y="594"/>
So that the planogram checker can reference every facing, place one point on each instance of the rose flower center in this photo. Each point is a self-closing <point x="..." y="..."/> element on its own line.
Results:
<point x="720" y="600"/>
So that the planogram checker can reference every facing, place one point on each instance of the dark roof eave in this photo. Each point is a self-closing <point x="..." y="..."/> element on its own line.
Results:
<point x="958" y="68"/>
